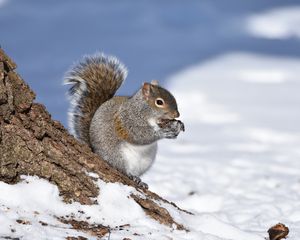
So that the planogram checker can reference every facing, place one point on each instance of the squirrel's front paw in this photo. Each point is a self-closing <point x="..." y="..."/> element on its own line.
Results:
<point x="171" y="128"/>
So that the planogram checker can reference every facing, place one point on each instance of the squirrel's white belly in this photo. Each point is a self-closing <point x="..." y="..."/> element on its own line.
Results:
<point x="138" y="157"/>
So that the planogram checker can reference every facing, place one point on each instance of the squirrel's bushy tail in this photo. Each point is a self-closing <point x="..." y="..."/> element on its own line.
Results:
<point x="95" y="80"/>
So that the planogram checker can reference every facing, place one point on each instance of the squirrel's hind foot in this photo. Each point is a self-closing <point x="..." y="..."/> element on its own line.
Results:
<point x="138" y="181"/>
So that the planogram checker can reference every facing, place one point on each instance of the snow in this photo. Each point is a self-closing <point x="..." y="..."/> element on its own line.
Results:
<point x="241" y="171"/>
<point x="242" y="66"/>
<point x="236" y="167"/>
<point x="36" y="200"/>
<point x="278" y="23"/>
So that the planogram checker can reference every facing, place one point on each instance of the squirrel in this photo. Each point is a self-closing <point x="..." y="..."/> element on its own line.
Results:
<point x="123" y="130"/>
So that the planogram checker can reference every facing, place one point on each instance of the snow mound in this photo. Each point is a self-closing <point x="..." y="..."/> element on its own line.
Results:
<point x="279" y="23"/>
<point x="241" y="171"/>
<point x="27" y="206"/>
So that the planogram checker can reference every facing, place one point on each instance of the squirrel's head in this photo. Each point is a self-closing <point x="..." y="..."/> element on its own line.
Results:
<point x="160" y="100"/>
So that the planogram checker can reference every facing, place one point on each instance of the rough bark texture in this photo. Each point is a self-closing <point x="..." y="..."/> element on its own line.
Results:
<point x="31" y="143"/>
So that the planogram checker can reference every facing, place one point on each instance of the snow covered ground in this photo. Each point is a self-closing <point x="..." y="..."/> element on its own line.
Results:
<point x="278" y="23"/>
<point x="236" y="167"/>
<point x="238" y="161"/>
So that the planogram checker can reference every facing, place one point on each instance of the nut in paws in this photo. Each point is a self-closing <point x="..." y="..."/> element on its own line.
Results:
<point x="171" y="127"/>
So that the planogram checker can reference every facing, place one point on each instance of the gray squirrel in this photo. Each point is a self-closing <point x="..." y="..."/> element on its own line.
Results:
<point x="123" y="130"/>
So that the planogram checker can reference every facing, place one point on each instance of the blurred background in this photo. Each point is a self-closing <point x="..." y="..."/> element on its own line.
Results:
<point x="155" y="39"/>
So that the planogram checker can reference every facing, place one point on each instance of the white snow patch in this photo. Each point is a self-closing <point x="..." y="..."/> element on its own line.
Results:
<point x="239" y="66"/>
<point x="210" y="224"/>
<point x="34" y="200"/>
<point x="271" y="136"/>
<point x="202" y="202"/>
<point x="279" y="23"/>
<point x="203" y="110"/>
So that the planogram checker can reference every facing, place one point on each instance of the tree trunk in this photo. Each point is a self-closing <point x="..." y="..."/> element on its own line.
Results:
<point x="31" y="143"/>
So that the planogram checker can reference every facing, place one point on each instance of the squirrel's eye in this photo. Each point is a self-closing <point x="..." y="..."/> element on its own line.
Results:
<point x="159" y="102"/>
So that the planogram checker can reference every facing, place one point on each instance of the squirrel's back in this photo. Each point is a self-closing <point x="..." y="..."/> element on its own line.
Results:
<point x="95" y="80"/>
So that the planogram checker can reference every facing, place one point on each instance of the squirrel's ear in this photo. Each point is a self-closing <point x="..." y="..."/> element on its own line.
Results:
<point x="146" y="89"/>
<point x="154" y="82"/>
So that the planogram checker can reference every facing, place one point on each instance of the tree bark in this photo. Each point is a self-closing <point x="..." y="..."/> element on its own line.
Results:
<point x="31" y="143"/>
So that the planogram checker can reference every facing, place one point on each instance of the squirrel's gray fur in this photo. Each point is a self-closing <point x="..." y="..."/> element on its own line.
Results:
<point x="122" y="130"/>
